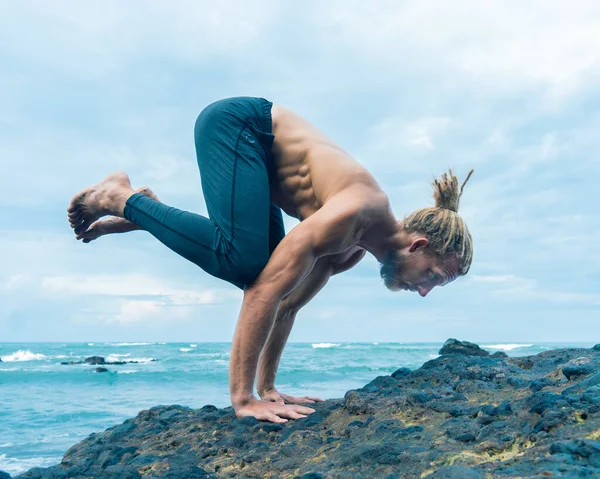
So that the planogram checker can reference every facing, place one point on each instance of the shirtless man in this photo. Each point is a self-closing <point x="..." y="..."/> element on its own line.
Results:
<point x="257" y="159"/>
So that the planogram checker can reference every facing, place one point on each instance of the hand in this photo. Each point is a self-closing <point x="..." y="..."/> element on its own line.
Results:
<point x="271" y="411"/>
<point x="275" y="396"/>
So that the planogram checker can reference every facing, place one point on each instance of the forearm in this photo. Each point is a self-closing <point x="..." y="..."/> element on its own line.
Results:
<point x="271" y="354"/>
<point x="251" y="333"/>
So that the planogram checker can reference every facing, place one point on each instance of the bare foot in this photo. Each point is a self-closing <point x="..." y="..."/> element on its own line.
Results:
<point x="106" y="198"/>
<point x="113" y="224"/>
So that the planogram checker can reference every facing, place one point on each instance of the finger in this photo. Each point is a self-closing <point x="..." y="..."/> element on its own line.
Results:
<point x="295" y="415"/>
<point x="315" y="399"/>
<point x="274" y="418"/>
<point x="299" y="400"/>
<point x="289" y="413"/>
<point x="301" y="409"/>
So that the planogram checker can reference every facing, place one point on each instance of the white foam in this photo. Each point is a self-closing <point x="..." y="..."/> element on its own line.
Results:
<point x="142" y="360"/>
<point x="16" y="466"/>
<point x="185" y="350"/>
<point x="131" y="344"/>
<point x="128" y="371"/>
<point x="91" y="344"/>
<point x="325" y="345"/>
<point x="8" y="444"/>
<point x="61" y="356"/>
<point x="193" y="345"/>
<point x="506" y="347"/>
<point x="126" y="357"/>
<point x="21" y="355"/>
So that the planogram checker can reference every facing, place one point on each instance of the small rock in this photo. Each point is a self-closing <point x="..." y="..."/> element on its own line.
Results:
<point x="499" y="354"/>
<point x="577" y="367"/>
<point x="94" y="360"/>
<point x="465" y="348"/>
<point x="401" y="373"/>
<point x="100" y="370"/>
<point x="596" y="347"/>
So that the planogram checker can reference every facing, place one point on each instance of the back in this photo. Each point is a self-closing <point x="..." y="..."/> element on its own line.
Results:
<point x="310" y="168"/>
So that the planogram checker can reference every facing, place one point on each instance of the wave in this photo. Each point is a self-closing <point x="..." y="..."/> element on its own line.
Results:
<point x="193" y="345"/>
<point x="325" y="345"/>
<point x="23" y="355"/>
<point x="130" y="344"/>
<point x="128" y="371"/>
<point x="91" y="344"/>
<point x="185" y="350"/>
<point x="15" y="466"/>
<point x="506" y="347"/>
<point x="121" y="357"/>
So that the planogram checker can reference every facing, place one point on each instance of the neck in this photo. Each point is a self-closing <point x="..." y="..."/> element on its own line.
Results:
<point x="380" y="242"/>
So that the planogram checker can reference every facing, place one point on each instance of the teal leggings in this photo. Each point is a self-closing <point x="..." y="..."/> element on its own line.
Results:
<point x="233" y="146"/>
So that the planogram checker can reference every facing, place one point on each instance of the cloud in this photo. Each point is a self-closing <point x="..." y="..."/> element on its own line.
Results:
<point x="134" y="285"/>
<point x="500" y="45"/>
<point x="96" y="41"/>
<point x="393" y="133"/>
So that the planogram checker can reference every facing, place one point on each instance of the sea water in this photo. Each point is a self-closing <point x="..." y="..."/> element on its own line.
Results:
<point x="46" y="407"/>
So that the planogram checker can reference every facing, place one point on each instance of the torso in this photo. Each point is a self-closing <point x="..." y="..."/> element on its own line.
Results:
<point x="310" y="169"/>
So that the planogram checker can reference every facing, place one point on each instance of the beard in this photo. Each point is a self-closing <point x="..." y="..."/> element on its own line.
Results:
<point x="392" y="270"/>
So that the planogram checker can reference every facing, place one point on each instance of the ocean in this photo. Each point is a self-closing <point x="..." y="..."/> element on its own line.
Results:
<point x="46" y="407"/>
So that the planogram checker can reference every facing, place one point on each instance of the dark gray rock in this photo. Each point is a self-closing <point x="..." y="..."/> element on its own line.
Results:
<point x="460" y="415"/>
<point x="4" y="475"/>
<point x="101" y="370"/>
<point x="465" y="348"/>
<point x="401" y="373"/>
<point x="499" y="355"/>
<point x="578" y="367"/>
<point x="99" y="360"/>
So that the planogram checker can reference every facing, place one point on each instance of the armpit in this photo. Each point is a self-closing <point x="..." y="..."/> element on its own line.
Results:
<point x="344" y="264"/>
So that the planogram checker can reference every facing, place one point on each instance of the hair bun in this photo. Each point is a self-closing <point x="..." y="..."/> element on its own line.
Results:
<point x="446" y="192"/>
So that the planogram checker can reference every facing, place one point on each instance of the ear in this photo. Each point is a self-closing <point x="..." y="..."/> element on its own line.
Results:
<point x="418" y="243"/>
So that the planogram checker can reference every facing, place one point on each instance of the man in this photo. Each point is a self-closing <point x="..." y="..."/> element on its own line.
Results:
<point x="257" y="159"/>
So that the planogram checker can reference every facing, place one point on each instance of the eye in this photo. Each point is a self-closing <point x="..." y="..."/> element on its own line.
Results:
<point x="433" y="277"/>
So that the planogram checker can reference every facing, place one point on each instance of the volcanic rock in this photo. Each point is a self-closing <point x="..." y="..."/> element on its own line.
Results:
<point x="99" y="360"/>
<point x="453" y="346"/>
<point x="458" y="416"/>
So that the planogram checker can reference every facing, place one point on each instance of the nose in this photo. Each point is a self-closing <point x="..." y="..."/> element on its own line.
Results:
<point x="424" y="290"/>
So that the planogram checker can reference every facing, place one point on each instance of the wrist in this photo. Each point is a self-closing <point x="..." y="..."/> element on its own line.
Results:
<point x="241" y="400"/>
<point x="265" y="389"/>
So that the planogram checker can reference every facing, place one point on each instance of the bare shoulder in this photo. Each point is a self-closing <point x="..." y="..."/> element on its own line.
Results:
<point x="341" y="221"/>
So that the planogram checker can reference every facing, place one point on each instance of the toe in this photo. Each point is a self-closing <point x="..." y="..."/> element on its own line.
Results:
<point x="76" y="202"/>
<point x="83" y="227"/>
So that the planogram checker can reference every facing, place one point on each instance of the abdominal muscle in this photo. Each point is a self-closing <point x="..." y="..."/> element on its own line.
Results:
<point x="310" y="168"/>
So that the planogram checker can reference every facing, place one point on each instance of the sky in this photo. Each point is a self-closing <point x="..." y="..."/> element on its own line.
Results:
<point x="409" y="89"/>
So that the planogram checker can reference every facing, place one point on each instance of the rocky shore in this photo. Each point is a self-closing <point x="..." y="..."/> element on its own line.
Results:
<point x="463" y="415"/>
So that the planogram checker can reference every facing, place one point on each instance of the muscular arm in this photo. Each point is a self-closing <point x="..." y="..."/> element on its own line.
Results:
<point x="286" y="315"/>
<point x="328" y="231"/>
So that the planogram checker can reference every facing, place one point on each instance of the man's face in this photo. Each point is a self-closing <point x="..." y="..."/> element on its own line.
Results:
<point x="419" y="271"/>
